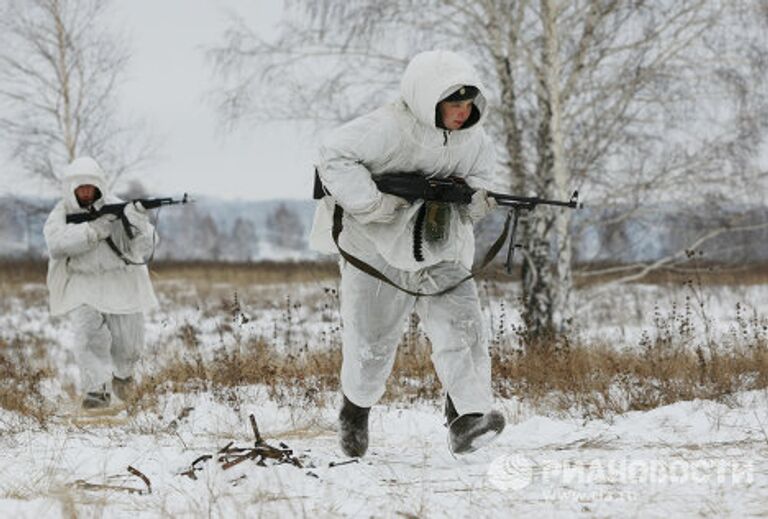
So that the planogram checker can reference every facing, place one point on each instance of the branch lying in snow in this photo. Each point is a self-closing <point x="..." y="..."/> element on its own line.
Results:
<point x="255" y="428"/>
<point x="260" y="451"/>
<point x="84" y="485"/>
<point x="136" y="472"/>
<point x="340" y="463"/>
<point x="190" y="473"/>
<point x="230" y="456"/>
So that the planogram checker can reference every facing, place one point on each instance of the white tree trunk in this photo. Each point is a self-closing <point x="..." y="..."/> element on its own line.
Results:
<point x="547" y="279"/>
<point x="562" y="278"/>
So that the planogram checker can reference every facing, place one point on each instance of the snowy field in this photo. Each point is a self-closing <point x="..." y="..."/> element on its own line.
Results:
<point x="688" y="459"/>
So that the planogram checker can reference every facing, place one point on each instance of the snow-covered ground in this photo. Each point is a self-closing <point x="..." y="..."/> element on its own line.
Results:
<point x="699" y="458"/>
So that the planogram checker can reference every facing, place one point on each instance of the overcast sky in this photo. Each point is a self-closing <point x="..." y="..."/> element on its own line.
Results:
<point x="165" y="85"/>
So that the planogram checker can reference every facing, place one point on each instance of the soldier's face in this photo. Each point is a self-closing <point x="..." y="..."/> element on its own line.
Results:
<point x="455" y="113"/>
<point x="85" y="194"/>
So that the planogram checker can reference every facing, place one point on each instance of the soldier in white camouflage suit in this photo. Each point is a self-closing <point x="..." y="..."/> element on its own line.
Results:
<point x="433" y="128"/>
<point x="104" y="291"/>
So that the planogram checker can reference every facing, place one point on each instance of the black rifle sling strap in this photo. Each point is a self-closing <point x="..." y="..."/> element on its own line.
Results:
<point x="338" y="213"/>
<point x="122" y="256"/>
<point x="117" y="251"/>
<point x="112" y="245"/>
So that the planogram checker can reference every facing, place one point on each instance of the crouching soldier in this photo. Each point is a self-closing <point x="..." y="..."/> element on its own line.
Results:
<point x="97" y="275"/>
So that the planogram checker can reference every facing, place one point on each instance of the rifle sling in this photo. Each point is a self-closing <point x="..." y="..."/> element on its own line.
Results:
<point x="338" y="213"/>
<point x="119" y="253"/>
<point x="122" y="256"/>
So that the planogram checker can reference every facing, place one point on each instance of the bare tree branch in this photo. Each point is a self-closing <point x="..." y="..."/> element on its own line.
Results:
<point x="60" y="70"/>
<point x="610" y="97"/>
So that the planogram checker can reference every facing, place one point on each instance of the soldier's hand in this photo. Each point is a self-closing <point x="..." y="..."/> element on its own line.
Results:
<point x="101" y="227"/>
<point x="136" y="214"/>
<point x="481" y="205"/>
<point x="385" y="210"/>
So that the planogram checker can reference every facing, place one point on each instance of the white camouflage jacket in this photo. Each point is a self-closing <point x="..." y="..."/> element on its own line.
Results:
<point x="403" y="137"/>
<point x="83" y="269"/>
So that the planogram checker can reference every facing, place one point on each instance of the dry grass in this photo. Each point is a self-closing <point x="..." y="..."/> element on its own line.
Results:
<point x="306" y="378"/>
<point x="598" y="381"/>
<point x="701" y="272"/>
<point x="15" y="272"/>
<point x="591" y="382"/>
<point x="287" y="377"/>
<point x="594" y="380"/>
<point x="266" y="272"/>
<point x="24" y="369"/>
<point x="22" y="271"/>
<point x="241" y="274"/>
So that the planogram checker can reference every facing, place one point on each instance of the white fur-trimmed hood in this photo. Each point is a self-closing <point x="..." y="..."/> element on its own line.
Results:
<point x="431" y="77"/>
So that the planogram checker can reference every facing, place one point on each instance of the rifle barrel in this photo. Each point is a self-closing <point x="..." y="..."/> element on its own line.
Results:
<point x="528" y="201"/>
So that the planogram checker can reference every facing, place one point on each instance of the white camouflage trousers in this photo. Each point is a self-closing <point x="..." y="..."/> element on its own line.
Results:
<point x="373" y="315"/>
<point x="106" y="345"/>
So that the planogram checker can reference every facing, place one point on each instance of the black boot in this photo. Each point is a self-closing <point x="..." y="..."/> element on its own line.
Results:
<point x="450" y="411"/>
<point x="469" y="432"/>
<point x="122" y="387"/>
<point x="96" y="400"/>
<point x="353" y="429"/>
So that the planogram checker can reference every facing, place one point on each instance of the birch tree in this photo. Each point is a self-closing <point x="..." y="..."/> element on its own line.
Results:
<point x="634" y="103"/>
<point x="59" y="73"/>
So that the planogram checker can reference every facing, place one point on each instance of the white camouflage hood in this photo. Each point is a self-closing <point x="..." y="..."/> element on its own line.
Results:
<point x="83" y="170"/>
<point x="434" y="75"/>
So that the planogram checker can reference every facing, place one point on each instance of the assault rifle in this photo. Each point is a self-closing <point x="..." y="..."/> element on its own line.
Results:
<point x="416" y="186"/>
<point x="455" y="190"/>
<point x="119" y="210"/>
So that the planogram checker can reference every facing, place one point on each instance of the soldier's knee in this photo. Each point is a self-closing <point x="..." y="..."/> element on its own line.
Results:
<point x="466" y="331"/>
